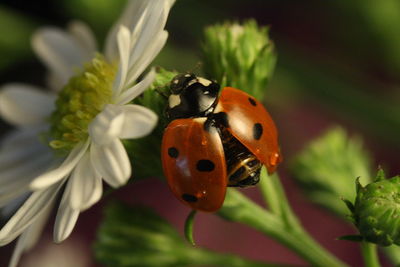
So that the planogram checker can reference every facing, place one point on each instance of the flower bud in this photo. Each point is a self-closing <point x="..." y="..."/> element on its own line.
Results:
<point x="377" y="211"/>
<point x="240" y="56"/>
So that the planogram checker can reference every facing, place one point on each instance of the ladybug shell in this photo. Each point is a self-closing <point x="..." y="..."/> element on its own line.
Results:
<point x="194" y="163"/>
<point x="250" y="123"/>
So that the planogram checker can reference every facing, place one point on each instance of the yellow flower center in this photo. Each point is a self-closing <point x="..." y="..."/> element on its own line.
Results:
<point x="79" y="102"/>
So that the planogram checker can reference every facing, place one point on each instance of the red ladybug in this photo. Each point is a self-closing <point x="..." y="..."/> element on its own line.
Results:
<point x="214" y="141"/>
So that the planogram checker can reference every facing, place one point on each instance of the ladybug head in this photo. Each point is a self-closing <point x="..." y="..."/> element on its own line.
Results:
<point x="191" y="96"/>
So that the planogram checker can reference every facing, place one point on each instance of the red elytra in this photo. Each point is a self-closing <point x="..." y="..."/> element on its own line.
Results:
<point x="185" y="144"/>
<point x="247" y="118"/>
<point x="193" y="158"/>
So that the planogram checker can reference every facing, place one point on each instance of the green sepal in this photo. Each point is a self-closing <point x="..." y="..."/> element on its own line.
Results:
<point x="353" y="238"/>
<point x="380" y="175"/>
<point x="350" y="218"/>
<point x="349" y="204"/>
<point x="358" y="185"/>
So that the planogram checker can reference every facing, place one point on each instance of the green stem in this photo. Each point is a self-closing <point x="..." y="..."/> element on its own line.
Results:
<point x="370" y="254"/>
<point x="393" y="253"/>
<point x="275" y="198"/>
<point x="239" y="208"/>
<point x="202" y="257"/>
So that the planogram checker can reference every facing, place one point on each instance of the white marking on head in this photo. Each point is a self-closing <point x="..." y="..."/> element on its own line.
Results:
<point x="187" y="75"/>
<point x="203" y="81"/>
<point x="176" y="81"/>
<point x="174" y="100"/>
<point x="218" y="108"/>
<point x="191" y="82"/>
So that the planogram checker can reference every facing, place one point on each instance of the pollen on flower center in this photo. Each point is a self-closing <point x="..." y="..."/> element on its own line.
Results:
<point x="79" y="102"/>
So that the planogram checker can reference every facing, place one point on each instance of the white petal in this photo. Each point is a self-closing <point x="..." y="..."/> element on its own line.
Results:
<point x="34" y="231"/>
<point x="12" y="206"/>
<point x="131" y="93"/>
<point x="53" y="82"/>
<point x="25" y="105"/>
<point x="84" y="35"/>
<point x="28" y="213"/>
<point x="131" y="15"/>
<point x="60" y="51"/>
<point x="8" y="196"/>
<point x="124" y="41"/>
<point x="156" y="13"/>
<point x="18" y="250"/>
<point x="22" y="137"/>
<point x="146" y="56"/>
<point x="66" y="216"/>
<point x="22" y="158"/>
<point x="30" y="236"/>
<point x="15" y="181"/>
<point x="112" y="162"/>
<point x="86" y="185"/>
<point x="32" y="164"/>
<point x="139" y="121"/>
<point x="107" y="125"/>
<point x="63" y="170"/>
<point x="21" y="145"/>
<point x="153" y="23"/>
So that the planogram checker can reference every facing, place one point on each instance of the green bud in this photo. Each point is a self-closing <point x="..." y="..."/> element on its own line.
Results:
<point x="377" y="210"/>
<point x="240" y="56"/>
<point x="144" y="153"/>
<point x="328" y="167"/>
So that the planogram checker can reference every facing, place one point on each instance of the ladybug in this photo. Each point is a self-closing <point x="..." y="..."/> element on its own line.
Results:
<point x="214" y="140"/>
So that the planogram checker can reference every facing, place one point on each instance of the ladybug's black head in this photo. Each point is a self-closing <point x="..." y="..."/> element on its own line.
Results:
<point x="191" y="96"/>
<point x="181" y="81"/>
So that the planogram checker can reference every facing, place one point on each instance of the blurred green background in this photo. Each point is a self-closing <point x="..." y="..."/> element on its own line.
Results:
<point x="338" y="64"/>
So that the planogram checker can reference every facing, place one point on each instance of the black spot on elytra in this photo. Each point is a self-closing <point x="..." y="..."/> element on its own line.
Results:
<point x="257" y="131"/>
<point x="252" y="101"/>
<point x="173" y="152"/>
<point x="189" y="198"/>
<point x="205" y="165"/>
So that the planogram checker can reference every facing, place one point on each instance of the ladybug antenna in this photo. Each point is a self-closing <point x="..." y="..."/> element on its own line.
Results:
<point x="197" y="67"/>
<point x="158" y="90"/>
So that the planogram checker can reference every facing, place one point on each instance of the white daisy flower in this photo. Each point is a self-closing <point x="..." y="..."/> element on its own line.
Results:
<point x="85" y="117"/>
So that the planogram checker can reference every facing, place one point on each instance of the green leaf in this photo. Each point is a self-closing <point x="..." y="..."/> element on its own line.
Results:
<point x="136" y="236"/>
<point x="328" y="168"/>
